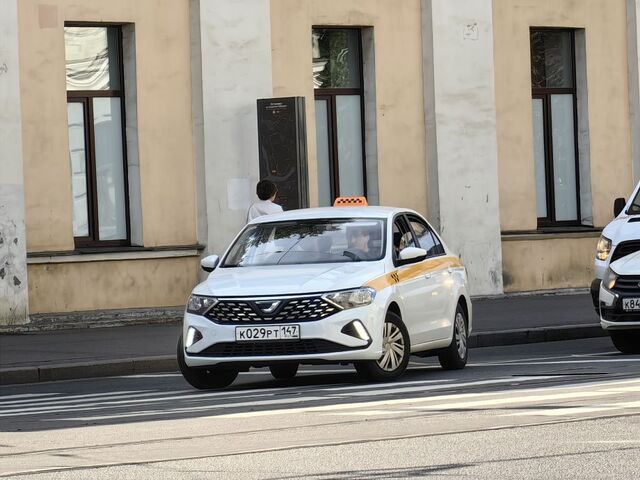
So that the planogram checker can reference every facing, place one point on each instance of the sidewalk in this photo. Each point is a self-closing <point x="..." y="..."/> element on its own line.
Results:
<point x="92" y="352"/>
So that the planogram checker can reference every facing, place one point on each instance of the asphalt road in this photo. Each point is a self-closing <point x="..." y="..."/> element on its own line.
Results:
<point x="551" y="410"/>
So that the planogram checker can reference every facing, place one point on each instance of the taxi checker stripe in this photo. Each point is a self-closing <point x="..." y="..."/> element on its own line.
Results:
<point x="410" y="272"/>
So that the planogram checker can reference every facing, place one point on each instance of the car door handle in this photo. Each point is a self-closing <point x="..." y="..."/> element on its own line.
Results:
<point x="428" y="275"/>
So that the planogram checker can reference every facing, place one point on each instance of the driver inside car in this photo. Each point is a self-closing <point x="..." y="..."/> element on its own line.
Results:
<point x="358" y="243"/>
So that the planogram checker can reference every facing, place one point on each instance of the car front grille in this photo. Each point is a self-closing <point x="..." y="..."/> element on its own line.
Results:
<point x="628" y="284"/>
<point x="264" y="349"/>
<point x="625" y="248"/>
<point x="301" y="309"/>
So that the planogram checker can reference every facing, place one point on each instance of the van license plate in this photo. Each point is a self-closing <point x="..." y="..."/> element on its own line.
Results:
<point x="631" y="304"/>
<point x="258" y="334"/>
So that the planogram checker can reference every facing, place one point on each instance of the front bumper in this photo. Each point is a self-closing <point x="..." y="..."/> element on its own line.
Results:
<point x="320" y="341"/>
<point x="612" y="315"/>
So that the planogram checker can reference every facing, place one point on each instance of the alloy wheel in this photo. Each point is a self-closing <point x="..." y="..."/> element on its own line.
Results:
<point x="393" y="348"/>
<point x="461" y="335"/>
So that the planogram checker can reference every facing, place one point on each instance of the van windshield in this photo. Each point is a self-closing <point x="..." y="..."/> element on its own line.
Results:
<point x="634" y="209"/>
<point x="308" y="241"/>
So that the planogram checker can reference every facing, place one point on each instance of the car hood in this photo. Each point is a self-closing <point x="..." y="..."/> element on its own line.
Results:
<point x="623" y="228"/>
<point x="629" y="265"/>
<point x="288" y="279"/>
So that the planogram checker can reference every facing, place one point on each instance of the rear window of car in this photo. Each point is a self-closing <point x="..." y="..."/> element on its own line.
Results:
<point x="309" y="241"/>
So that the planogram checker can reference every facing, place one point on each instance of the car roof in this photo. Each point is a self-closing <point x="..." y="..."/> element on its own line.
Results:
<point x="332" y="212"/>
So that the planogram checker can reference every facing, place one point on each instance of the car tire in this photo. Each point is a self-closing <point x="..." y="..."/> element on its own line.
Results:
<point x="206" y="378"/>
<point x="455" y="356"/>
<point x="284" y="371"/>
<point x="395" y="357"/>
<point x="625" y="341"/>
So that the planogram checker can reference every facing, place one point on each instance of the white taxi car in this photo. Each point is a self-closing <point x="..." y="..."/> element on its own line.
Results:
<point x="360" y="285"/>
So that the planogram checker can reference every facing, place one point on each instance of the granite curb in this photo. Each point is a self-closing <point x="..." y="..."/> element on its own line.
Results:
<point x="168" y="363"/>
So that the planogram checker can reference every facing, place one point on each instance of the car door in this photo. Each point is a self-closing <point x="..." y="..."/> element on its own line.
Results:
<point x="412" y="287"/>
<point x="436" y="323"/>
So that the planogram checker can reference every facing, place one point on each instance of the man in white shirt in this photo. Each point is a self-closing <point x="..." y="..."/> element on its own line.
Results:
<point x="266" y="191"/>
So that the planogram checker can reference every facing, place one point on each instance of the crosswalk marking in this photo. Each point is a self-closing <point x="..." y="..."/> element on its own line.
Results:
<point x="416" y="396"/>
<point x="563" y="411"/>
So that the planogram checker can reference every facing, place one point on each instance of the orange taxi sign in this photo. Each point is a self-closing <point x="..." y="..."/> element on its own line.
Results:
<point x="351" y="202"/>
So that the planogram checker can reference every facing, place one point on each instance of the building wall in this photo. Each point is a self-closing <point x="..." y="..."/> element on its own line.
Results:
<point x="552" y="261"/>
<point x="604" y="22"/>
<point x="165" y="148"/>
<point x="67" y="287"/>
<point x="562" y="262"/>
<point x="398" y="84"/>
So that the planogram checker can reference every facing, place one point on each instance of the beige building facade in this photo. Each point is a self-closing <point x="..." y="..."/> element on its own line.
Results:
<point x="134" y="143"/>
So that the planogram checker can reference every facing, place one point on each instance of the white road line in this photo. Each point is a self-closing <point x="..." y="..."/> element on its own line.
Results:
<point x="565" y="362"/>
<point x="26" y="396"/>
<point x="62" y="397"/>
<point x="295" y="400"/>
<point x="562" y="411"/>
<point x="49" y="405"/>
<point x="402" y="401"/>
<point x="451" y="385"/>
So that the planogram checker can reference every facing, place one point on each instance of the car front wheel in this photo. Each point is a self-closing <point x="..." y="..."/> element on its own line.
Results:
<point x="626" y="341"/>
<point x="396" y="349"/>
<point x="206" y="378"/>
<point x="454" y="357"/>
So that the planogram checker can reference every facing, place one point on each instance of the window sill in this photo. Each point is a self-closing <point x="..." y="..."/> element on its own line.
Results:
<point x="551" y="233"/>
<point x="113" y="254"/>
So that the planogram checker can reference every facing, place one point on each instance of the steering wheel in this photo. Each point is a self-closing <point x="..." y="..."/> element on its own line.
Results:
<point x="351" y="255"/>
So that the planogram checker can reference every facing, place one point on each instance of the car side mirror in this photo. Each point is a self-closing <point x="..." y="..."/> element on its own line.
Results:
<point x="618" y="206"/>
<point x="412" y="254"/>
<point x="209" y="263"/>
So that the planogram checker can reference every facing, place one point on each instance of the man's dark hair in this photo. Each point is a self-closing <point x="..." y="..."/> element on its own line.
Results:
<point x="266" y="189"/>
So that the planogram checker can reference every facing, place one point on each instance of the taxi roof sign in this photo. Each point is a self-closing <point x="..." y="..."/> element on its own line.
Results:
<point x="351" y="202"/>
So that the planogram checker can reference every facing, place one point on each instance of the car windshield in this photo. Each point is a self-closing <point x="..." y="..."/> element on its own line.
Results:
<point x="308" y="241"/>
<point x="634" y="209"/>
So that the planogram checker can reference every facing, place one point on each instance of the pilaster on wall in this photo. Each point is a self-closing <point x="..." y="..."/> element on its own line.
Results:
<point x="633" y="52"/>
<point x="235" y="70"/>
<point x="460" y="117"/>
<point x="13" y="254"/>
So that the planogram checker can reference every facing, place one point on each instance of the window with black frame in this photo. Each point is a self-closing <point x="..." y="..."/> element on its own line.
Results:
<point x="95" y="110"/>
<point x="553" y="87"/>
<point x="337" y="80"/>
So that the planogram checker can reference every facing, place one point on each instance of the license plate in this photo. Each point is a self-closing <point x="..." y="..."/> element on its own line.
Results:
<point x="631" y="304"/>
<point x="253" y="334"/>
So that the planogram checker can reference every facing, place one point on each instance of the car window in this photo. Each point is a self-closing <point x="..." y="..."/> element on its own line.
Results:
<point x="402" y="236"/>
<point x="426" y="238"/>
<point x="308" y="241"/>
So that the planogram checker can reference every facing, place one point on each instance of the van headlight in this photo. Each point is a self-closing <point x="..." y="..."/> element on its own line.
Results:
<point x="609" y="279"/>
<point x="199" y="304"/>
<point x="603" y="249"/>
<point x="351" y="298"/>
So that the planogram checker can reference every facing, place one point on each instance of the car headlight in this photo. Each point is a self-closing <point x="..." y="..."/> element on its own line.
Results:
<point x="609" y="279"/>
<point x="352" y="298"/>
<point x="199" y="304"/>
<point x="603" y="249"/>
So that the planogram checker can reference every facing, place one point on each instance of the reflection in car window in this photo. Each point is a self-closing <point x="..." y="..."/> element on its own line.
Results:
<point x="402" y="237"/>
<point x="308" y="241"/>
<point x="426" y="238"/>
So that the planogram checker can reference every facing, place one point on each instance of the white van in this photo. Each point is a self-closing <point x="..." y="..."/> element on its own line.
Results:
<point x="616" y="289"/>
<point x="619" y="239"/>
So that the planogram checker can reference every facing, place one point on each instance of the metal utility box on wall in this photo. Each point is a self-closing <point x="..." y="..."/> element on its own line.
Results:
<point x="282" y="143"/>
